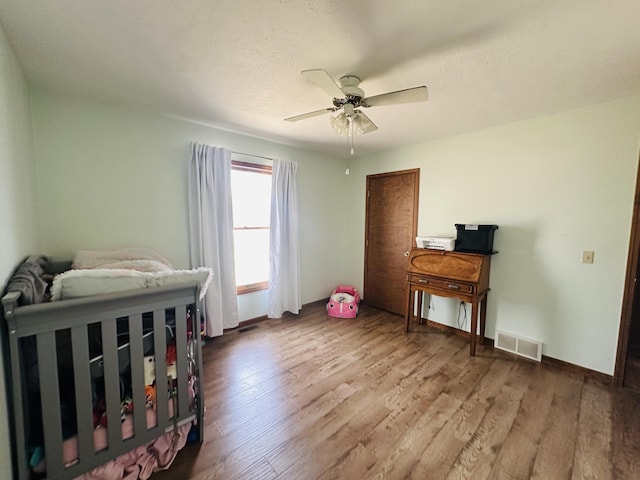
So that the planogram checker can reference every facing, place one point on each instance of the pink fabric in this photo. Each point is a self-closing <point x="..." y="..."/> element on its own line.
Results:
<point x="136" y="464"/>
<point x="141" y="462"/>
<point x="70" y="445"/>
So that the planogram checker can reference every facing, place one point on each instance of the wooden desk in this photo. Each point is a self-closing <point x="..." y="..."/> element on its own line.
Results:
<point x="450" y="274"/>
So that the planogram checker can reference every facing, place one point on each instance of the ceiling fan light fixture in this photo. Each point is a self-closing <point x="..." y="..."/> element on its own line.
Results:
<point x="340" y="124"/>
<point x="361" y="124"/>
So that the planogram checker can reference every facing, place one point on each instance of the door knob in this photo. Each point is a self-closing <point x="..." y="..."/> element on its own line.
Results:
<point x="406" y="254"/>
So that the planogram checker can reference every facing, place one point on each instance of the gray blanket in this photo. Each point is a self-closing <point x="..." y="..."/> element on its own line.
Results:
<point x="28" y="281"/>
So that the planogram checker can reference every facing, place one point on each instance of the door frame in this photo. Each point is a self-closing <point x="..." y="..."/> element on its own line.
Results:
<point x="630" y="286"/>
<point x="416" y="202"/>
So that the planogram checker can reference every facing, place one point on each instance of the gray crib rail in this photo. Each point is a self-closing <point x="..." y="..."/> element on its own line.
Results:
<point x="44" y="320"/>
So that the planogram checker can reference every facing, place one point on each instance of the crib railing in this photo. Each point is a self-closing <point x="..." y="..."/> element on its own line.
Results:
<point x="45" y="321"/>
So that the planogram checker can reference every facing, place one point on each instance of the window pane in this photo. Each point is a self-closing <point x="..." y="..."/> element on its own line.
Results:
<point x="251" y="199"/>
<point x="251" y="256"/>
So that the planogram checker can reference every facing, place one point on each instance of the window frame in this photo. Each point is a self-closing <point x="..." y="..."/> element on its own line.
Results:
<point x="261" y="169"/>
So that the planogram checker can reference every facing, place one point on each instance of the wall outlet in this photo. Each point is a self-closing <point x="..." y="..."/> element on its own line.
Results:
<point x="587" y="256"/>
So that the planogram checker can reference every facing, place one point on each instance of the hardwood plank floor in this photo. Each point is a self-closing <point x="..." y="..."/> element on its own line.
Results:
<point x="314" y="397"/>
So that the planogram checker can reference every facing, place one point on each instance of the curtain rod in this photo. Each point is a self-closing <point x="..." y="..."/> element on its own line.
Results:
<point x="251" y="155"/>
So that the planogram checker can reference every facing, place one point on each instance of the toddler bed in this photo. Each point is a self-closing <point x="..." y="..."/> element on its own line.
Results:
<point x="103" y="367"/>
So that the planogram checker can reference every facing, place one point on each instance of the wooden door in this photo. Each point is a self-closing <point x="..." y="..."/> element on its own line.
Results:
<point x="627" y="371"/>
<point x="390" y="230"/>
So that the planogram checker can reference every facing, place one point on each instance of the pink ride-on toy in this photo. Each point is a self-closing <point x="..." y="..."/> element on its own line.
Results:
<point x="343" y="302"/>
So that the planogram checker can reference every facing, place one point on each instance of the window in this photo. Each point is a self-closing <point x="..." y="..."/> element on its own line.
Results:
<point x="251" y="197"/>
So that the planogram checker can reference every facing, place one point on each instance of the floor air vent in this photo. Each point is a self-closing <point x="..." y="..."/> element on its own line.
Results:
<point x="247" y="328"/>
<point x="525" y="347"/>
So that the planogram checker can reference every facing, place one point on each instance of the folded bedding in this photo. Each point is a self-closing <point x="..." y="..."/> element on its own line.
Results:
<point x="100" y="281"/>
<point x="98" y="272"/>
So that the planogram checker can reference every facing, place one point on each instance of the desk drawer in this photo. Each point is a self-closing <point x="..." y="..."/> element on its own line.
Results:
<point x="442" y="284"/>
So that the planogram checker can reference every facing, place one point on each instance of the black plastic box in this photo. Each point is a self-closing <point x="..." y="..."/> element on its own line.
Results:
<point x="475" y="238"/>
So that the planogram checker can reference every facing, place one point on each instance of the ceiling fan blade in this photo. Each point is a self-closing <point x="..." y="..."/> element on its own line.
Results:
<point x="324" y="81"/>
<point x="315" y="113"/>
<point x="363" y="124"/>
<point x="416" y="94"/>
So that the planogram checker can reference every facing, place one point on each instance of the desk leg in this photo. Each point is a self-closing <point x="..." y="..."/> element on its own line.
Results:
<point x="419" y="307"/>
<point x="409" y="304"/>
<point x="483" y="317"/>
<point x="474" y="326"/>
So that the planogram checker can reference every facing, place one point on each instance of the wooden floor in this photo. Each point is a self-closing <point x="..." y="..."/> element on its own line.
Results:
<point x="314" y="397"/>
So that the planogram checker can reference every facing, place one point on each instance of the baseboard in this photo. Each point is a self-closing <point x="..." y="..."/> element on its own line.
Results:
<point x="453" y="330"/>
<point x="262" y="318"/>
<point x="251" y="321"/>
<point x="592" y="374"/>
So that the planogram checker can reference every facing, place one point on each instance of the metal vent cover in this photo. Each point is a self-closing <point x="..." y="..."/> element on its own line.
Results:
<point x="525" y="347"/>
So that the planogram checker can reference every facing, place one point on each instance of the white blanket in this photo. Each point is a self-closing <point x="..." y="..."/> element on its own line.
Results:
<point x="97" y="272"/>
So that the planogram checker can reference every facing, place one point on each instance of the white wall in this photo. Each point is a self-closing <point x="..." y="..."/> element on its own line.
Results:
<point x="114" y="176"/>
<point x="18" y="221"/>
<point x="556" y="186"/>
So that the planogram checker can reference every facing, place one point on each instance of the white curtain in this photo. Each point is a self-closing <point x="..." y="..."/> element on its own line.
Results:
<point x="211" y="233"/>
<point x="284" y="268"/>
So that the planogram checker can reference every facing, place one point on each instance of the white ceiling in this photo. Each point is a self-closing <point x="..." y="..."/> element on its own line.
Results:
<point x="235" y="64"/>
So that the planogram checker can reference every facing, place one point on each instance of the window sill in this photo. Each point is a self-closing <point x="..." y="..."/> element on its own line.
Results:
<point x="253" y="287"/>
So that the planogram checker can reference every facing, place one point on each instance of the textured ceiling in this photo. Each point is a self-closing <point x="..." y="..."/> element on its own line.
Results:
<point x="235" y="64"/>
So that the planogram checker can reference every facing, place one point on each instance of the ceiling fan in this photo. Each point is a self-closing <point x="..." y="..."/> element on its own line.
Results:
<point x="349" y="98"/>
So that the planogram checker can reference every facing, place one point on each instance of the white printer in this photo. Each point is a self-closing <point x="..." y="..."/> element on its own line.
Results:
<point x="436" y="243"/>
